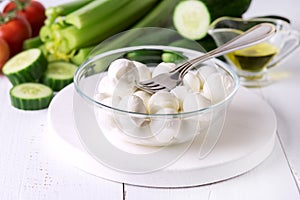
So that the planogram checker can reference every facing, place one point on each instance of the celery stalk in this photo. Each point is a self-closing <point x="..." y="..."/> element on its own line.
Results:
<point x="95" y="12"/>
<point x="81" y="55"/>
<point x="34" y="42"/>
<point x="62" y="10"/>
<point x="93" y="34"/>
<point x="45" y="33"/>
<point x="159" y="16"/>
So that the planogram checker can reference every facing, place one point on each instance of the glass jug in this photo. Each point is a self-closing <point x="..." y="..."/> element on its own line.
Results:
<point x="252" y="63"/>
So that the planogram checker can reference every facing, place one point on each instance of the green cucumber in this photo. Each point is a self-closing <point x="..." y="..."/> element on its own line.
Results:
<point x="191" y="19"/>
<point x="31" y="96"/>
<point x="27" y="66"/>
<point x="59" y="74"/>
<point x="171" y="57"/>
<point x="230" y="8"/>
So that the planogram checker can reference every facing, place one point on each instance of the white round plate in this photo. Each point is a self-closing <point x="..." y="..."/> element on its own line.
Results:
<point x="247" y="138"/>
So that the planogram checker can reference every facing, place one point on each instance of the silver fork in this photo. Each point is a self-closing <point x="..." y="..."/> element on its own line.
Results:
<point x="168" y="81"/>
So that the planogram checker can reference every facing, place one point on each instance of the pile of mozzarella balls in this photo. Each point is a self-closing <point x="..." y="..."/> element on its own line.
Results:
<point x="200" y="89"/>
<point x="117" y="88"/>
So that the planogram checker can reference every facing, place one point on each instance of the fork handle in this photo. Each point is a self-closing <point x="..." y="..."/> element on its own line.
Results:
<point x="251" y="37"/>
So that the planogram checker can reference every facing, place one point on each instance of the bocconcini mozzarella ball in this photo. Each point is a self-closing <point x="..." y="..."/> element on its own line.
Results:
<point x="204" y="71"/>
<point x="143" y="71"/>
<point x="107" y="85"/>
<point x="107" y="101"/>
<point x="214" y="88"/>
<point x="126" y="84"/>
<point x="145" y="96"/>
<point x="118" y="68"/>
<point x="162" y="99"/>
<point x="195" y="101"/>
<point x="192" y="81"/>
<point x="163" y="68"/>
<point x="100" y="96"/>
<point x="181" y="92"/>
<point x="167" y="129"/>
<point x="135" y="104"/>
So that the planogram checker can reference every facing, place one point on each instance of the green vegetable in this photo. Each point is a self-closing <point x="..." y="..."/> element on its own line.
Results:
<point x="30" y="43"/>
<point x="171" y="57"/>
<point x="159" y="16"/>
<point x="188" y="44"/>
<point x="207" y="43"/>
<point x="27" y="66"/>
<point x="59" y="74"/>
<point x="31" y="96"/>
<point x="191" y="19"/>
<point x="70" y="38"/>
<point x="62" y="10"/>
<point x="81" y="55"/>
<point x="145" y="56"/>
<point x="175" y="57"/>
<point x="103" y="9"/>
<point x="233" y="8"/>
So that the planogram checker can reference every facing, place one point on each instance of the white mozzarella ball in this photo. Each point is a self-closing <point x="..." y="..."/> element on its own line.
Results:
<point x="100" y="96"/>
<point x="126" y="84"/>
<point x="228" y="83"/>
<point x="145" y="96"/>
<point x="164" y="130"/>
<point x="143" y="71"/>
<point x="192" y="81"/>
<point x="119" y="68"/>
<point x="163" y="68"/>
<point x="106" y="85"/>
<point x="162" y="99"/>
<point x="133" y="103"/>
<point x="214" y="88"/>
<point x="181" y="92"/>
<point x="107" y="101"/>
<point x="205" y="71"/>
<point x="195" y="101"/>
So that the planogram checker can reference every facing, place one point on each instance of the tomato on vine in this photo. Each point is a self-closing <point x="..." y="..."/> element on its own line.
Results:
<point x="14" y="30"/>
<point x="4" y="52"/>
<point x="32" y="10"/>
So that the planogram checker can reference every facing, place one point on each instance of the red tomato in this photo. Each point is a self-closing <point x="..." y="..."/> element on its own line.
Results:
<point x="14" y="32"/>
<point x="4" y="52"/>
<point x="34" y="12"/>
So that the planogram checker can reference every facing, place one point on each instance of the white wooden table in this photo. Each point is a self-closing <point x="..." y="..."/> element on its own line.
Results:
<point x="31" y="169"/>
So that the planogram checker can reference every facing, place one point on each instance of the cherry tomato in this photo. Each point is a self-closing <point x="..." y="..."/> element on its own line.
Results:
<point x="14" y="32"/>
<point x="4" y="52"/>
<point x="33" y="11"/>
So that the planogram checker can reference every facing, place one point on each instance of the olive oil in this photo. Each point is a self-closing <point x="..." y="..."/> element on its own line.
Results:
<point x="254" y="58"/>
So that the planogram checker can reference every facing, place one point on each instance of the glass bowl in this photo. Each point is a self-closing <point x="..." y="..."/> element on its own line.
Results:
<point x="156" y="129"/>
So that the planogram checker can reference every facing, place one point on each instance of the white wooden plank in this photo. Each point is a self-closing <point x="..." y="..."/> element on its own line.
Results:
<point x="29" y="168"/>
<point x="284" y="97"/>
<point x="270" y="180"/>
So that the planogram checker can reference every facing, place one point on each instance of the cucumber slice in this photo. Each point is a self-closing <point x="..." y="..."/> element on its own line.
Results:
<point x="59" y="74"/>
<point x="191" y="19"/>
<point x="27" y="66"/>
<point x="31" y="96"/>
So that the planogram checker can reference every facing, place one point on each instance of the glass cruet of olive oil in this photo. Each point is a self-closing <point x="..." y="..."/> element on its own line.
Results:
<point x="253" y="63"/>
